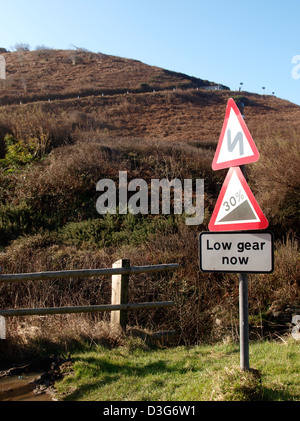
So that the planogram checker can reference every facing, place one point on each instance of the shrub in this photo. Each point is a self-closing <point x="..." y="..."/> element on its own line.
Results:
<point x="15" y="220"/>
<point x="114" y="230"/>
<point x="21" y="46"/>
<point x="33" y="123"/>
<point x="19" y="152"/>
<point x="276" y="181"/>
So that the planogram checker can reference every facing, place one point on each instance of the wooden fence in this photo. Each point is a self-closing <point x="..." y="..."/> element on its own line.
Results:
<point x="119" y="306"/>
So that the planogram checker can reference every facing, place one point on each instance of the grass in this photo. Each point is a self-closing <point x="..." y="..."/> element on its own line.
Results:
<point x="135" y="372"/>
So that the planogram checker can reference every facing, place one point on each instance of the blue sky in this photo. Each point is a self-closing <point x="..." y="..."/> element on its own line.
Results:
<point x="225" y="41"/>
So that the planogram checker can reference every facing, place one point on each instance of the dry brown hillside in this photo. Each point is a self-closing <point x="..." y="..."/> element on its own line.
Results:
<point x="63" y="73"/>
<point x="124" y="97"/>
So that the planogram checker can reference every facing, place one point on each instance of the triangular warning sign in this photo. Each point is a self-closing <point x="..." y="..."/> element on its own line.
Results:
<point x="236" y="208"/>
<point x="235" y="146"/>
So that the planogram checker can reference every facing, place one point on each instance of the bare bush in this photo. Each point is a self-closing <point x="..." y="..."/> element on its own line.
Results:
<point x="276" y="181"/>
<point x="21" y="47"/>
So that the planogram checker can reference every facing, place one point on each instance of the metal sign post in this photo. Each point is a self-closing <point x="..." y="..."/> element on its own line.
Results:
<point x="236" y="208"/>
<point x="241" y="252"/>
<point x="243" y="300"/>
<point x="244" y="309"/>
<point x="244" y="321"/>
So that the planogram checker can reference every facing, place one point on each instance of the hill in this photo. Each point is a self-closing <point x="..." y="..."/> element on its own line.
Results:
<point x="60" y="74"/>
<point x="71" y="118"/>
<point x="125" y="97"/>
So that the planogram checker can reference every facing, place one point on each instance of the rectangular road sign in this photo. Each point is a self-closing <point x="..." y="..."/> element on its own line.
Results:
<point x="236" y="252"/>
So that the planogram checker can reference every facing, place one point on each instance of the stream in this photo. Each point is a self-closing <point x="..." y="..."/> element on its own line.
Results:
<point x="21" y="388"/>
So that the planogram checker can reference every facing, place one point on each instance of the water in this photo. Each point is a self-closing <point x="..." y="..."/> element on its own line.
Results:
<point x="18" y="388"/>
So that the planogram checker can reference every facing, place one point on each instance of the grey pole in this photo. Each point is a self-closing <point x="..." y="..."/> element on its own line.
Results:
<point x="244" y="313"/>
<point x="243" y="301"/>
<point x="244" y="321"/>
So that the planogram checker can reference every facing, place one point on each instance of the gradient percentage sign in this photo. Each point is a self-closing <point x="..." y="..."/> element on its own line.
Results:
<point x="239" y="195"/>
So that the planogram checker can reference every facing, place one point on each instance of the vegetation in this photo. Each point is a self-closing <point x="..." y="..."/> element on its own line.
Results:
<point x="136" y="372"/>
<point x="104" y="365"/>
<point x="49" y="222"/>
<point x="63" y="138"/>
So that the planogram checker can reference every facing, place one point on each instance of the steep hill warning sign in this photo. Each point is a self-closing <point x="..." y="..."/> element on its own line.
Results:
<point x="236" y="208"/>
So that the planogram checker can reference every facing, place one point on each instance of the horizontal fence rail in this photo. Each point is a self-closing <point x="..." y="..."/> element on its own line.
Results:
<point x="119" y="299"/>
<point x="83" y="309"/>
<point x="43" y="276"/>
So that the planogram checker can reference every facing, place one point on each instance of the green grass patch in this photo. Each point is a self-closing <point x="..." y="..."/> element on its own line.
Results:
<point x="135" y="372"/>
<point x="116" y="229"/>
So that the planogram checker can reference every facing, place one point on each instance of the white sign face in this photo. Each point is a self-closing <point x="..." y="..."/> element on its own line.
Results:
<point x="235" y="199"/>
<point x="235" y="144"/>
<point x="236" y="252"/>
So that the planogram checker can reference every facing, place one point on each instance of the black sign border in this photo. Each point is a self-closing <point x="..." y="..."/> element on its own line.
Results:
<point x="236" y="232"/>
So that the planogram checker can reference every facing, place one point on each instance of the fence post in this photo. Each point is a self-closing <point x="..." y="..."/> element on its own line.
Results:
<point x="2" y="323"/>
<point x="119" y="295"/>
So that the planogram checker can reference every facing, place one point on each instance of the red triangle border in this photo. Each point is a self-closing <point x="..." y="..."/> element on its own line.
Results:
<point x="238" y="161"/>
<point x="262" y="224"/>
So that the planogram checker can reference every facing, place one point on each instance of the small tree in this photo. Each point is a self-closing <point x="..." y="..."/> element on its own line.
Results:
<point x="43" y="51"/>
<point x="21" y="47"/>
